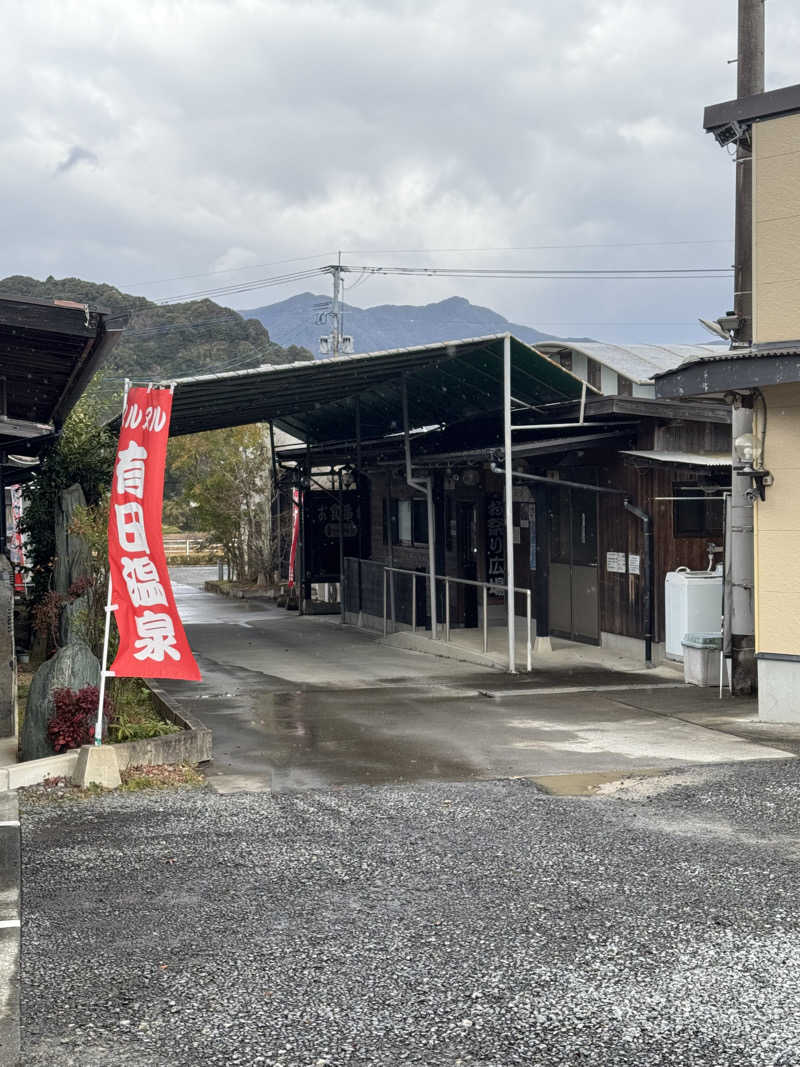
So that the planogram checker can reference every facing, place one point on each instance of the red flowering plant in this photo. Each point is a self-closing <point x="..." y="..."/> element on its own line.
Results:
<point x="72" y="725"/>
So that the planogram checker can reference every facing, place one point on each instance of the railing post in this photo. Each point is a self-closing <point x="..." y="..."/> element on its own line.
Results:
<point x="447" y="609"/>
<point x="529" y="629"/>
<point x="485" y="620"/>
<point x="413" y="602"/>
<point x="385" y="622"/>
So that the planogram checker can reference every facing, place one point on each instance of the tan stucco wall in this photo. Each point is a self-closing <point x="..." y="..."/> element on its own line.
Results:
<point x="776" y="229"/>
<point x="777" y="526"/>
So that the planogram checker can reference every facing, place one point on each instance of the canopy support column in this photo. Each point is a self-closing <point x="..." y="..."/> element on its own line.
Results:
<point x="509" y="502"/>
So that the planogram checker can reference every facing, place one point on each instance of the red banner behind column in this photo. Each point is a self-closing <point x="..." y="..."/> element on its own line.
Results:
<point x="152" y="643"/>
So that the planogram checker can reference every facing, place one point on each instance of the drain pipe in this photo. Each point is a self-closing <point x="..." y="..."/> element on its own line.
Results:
<point x="647" y="527"/>
<point x="424" y="485"/>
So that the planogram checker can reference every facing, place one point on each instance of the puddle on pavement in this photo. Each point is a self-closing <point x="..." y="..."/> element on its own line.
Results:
<point x="301" y="739"/>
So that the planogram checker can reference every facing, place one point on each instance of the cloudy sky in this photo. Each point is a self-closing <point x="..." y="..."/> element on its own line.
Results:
<point x="170" y="147"/>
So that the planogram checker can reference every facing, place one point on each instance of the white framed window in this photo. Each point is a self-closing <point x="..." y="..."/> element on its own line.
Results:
<point x="404" y="522"/>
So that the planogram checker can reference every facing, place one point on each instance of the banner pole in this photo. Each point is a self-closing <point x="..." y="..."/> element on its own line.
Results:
<point x="98" y="726"/>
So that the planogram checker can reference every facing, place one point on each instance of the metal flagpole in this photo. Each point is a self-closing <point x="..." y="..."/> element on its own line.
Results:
<point x="104" y="673"/>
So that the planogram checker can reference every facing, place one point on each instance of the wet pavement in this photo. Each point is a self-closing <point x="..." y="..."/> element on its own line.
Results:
<point x="304" y="703"/>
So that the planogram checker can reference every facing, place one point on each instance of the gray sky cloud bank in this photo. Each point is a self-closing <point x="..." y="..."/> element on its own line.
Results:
<point x="234" y="133"/>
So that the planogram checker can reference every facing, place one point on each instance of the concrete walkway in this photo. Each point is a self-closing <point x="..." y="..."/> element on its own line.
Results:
<point x="299" y="703"/>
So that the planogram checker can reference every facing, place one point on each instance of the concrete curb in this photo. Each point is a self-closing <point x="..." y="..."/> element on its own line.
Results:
<point x="191" y="745"/>
<point x="9" y="930"/>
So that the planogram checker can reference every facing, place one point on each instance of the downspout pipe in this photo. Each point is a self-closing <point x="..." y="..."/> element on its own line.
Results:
<point x="647" y="527"/>
<point x="424" y="485"/>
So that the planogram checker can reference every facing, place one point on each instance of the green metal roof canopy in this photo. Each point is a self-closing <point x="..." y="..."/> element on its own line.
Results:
<point x="316" y="401"/>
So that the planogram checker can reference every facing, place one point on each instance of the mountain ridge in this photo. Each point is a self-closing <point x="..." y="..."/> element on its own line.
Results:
<point x="385" y="326"/>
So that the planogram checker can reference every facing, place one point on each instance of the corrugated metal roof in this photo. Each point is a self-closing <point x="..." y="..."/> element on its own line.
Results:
<point x="689" y="459"/>
<point x="48" y="352"/>
<point x="637" y="362"/>
<point x="316" y="401"/>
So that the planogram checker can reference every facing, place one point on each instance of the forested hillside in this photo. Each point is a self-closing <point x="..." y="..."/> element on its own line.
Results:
<point x="165" y="341"/>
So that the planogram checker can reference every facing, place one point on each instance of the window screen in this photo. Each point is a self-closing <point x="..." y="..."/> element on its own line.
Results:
<point x="699" y="515"/>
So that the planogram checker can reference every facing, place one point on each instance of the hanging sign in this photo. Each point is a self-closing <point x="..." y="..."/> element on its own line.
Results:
<point x="152" y="643"/>
<point x="495" y="543"/>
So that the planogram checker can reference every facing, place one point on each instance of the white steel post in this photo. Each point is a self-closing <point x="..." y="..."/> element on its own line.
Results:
<point x="432" y="555"/>
<point x="512" y="637"/>
<point x="104" y="673"/>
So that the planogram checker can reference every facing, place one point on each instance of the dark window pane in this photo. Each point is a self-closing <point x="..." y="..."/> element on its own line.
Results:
<point x="624" y="386"/>
<point x="584" y="527"/>
<point x="559" y="547"/>
<point x="697" y="516"/>
<point x="593" y="373"/>
<point x="419" y="522"/>
<point x="565" y="359"/>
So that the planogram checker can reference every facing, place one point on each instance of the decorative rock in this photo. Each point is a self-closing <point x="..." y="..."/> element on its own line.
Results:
<point x="72" y="552"/>
<point x="97" y="765"/>
<point x="73" y="620"/>
<point x="72" y="667"/>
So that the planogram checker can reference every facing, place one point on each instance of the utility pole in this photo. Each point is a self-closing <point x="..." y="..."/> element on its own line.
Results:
<point x="332" y="344"/>
<point x="336" y="312"/>
<point x="749" y="82"/>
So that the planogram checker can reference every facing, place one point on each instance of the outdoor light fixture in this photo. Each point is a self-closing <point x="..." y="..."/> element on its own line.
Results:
<point x="23" y="461"/>
<point x="749" y="450"/>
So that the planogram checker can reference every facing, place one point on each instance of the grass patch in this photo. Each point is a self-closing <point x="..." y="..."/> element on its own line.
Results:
<point x="136" y="717"/>
<point x="162" y="776"/>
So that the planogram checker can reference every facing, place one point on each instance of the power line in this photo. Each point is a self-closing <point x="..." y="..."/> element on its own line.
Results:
<point x="531" y="248"/>
<point x="424" y="251"/>
<point x="227" y="270"/>
<point x="655" y="273"/>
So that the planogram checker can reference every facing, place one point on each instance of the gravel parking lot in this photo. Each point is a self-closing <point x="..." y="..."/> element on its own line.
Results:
<point x="461" y="924"/>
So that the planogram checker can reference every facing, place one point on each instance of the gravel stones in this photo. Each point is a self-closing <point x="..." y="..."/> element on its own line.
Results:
<point x="435" y="924"/>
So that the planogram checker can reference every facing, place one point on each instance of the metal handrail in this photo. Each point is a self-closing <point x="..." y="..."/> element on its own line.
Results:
<point x="484" y="586"/>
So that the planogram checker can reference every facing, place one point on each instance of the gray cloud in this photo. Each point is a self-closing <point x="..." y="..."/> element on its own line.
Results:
<point x="77" y="154"/>
<point x="236" y="132"/>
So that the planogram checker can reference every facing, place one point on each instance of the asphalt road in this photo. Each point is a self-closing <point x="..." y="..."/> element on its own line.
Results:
<point x="438" y="924"/>
<point x="299" y="703"/>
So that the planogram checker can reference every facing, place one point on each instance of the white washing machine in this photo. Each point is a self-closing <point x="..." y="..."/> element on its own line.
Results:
<point x="692" y="604"/>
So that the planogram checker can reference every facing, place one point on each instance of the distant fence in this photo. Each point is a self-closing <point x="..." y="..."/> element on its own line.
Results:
<point x="188" y="545"/>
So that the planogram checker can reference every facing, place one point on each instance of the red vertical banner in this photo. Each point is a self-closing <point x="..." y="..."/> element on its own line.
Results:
<point x="296" y="501"/>
<point x="152" y="643"/>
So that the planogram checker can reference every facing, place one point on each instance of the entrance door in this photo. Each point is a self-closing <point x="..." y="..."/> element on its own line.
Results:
<point x="573" y="586"/>
<point x="467" y="546"/>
